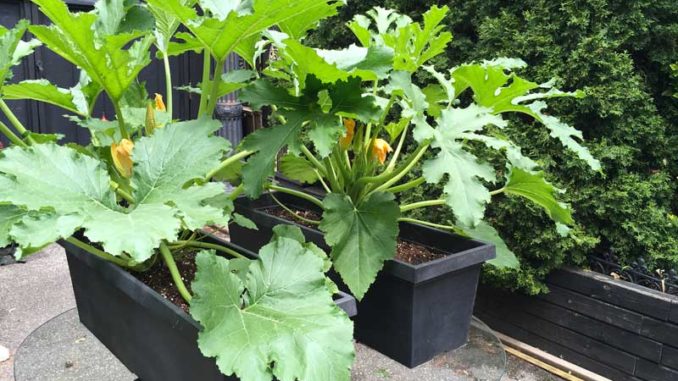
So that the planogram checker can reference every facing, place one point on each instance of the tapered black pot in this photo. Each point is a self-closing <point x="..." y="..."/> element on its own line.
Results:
<point x="154" y="338"/>
<point x="412" y="312"/>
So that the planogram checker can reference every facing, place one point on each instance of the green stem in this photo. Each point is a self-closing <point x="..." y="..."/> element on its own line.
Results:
<point x="99" y="253"/>
<point x="332" y="174"/>
<point x="403" y="187"/>
<point x="168" y="84"/>
<point x="309" y="155"/>
<point x="290" y="211"/>
<point x="498" y="191"/>
<point x="211" y="246"/>
<point x="296" y="193"/>
<point x="236" y="192"/>
<point x="214" y="94"/>
<point x="426" y="223"/>
<point x="396" y="154"/>
<point x="14" y="121"/>
<point x="384" y="176"/>
<point x="174" y="271"/>
<point x="11" y="136"/>
<point x="421" y="204"/>
<point x="121" y="119"/>
<point x="206" y="68"/>
<point x="224" y="164"/>
<point x="322" y="182"/>
<point x="122" y="193"/>
<point x="418" y="154"/>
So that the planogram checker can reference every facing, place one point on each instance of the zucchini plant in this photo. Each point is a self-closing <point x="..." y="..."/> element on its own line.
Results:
<point x="344" y="118"/>
<point x="141" y="191"/>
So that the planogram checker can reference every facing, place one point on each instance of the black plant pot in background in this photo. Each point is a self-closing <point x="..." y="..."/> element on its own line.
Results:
<point x="411" y="313"/>
<point x="154" y="338"/>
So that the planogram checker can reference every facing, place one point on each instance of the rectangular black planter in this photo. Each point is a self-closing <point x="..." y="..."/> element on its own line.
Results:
<point x="411" y="313"/>
<point x="615" y="328"/>
<point x="154" y="338"/>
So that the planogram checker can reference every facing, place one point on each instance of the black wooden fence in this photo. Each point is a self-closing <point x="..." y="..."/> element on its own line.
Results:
<point x="43" y="118"/>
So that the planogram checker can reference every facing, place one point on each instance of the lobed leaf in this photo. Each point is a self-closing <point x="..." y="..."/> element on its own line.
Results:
<point x="534" y="187"/>
<point x="362" y="236"/>
<point x="13" y="49"/>
<point x="256" y="324"/>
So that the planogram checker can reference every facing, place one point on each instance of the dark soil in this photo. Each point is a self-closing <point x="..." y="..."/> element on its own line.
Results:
<point x="160" y="280"/>
<point x="408" y="252"/>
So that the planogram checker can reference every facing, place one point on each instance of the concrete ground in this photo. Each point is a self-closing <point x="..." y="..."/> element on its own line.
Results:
<point x="34" y="292"/>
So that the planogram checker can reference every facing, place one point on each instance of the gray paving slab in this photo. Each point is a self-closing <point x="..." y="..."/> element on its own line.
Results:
<point x="31" y="293"/>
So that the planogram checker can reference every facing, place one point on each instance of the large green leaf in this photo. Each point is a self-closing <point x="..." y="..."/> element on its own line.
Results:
<point x="304" y="112"/>
<point x="76" y="188"/>
<point x="38" y="229"/>
<point x="43" y="91"/>
<point x="275" y="320"/>
<point x="13" y="49"/>
<point x="493" y="88"/>
<point x="298" y="169"/>
<point x="484" y="232"/>
<point x="362" y="236"/>
<point x="239" y="32"/>
<point x="166" y="25"/>
<point x="368" y="63"/>
<point x="51" y="176"/>
<point x="137" y="232"/>
<point x="174" y="155"/>
<point x="96" y="42"/>
<point x="267" y="143"/>
<point x="412" y="43"/>
<point x="465" y="192"/>
<point x="330" y="66"/>
<point x="9" y="216"/>
<point x="534" y="187"/>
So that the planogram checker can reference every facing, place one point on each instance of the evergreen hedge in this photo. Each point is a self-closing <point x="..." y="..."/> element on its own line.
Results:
<point x="620" y="53"/>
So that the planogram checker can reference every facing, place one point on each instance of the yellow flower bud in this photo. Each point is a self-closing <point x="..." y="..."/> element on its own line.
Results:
<point x="150" y="119"/>
<point x="345" y="141"/>
<point x="380" y="148"/>
<point x="122" y="157"/>
<point x="159" y="104"/>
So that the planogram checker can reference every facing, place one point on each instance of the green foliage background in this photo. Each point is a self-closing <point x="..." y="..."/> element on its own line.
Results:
<point x="619" y="53"/>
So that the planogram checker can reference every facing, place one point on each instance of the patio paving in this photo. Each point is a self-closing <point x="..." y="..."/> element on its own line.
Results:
<point x="34" y="292"/>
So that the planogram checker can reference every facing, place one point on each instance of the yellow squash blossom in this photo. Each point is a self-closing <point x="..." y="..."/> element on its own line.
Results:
<point x="345" y="141"/>
<point x="381" y="148"/>
<point x="159" y="103"/>
<point x="122" y="157"/>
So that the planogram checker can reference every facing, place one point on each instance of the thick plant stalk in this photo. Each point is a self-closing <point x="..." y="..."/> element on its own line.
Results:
<point x="174" y="271"/>
<point x="211" y="246"/>
<point x="206" y="66"/>
<point x="227" y="162"/>
<point x="291" y="212"/>
<point x="216" y="78"/>
<point x="409" y="185"/>
<point x="99" y="253"/>
<point x="421" y="204"/>
<point x="293" y="192"/>
<point x="168" y="84"/>
<point x="116" y="187"/>
<point x="15" y="121"/>
<point x="11" y="135"/>
<point x="121" y="120"/>
<point x="431" y="224"/>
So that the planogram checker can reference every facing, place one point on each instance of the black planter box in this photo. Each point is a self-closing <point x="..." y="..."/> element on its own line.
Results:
<point x="411" y="313"/>
<point x="154" y="338"/>
<point x="617" y="329"/>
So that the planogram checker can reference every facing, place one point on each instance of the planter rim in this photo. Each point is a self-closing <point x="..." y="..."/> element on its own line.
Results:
<point x="452" y="261"/>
